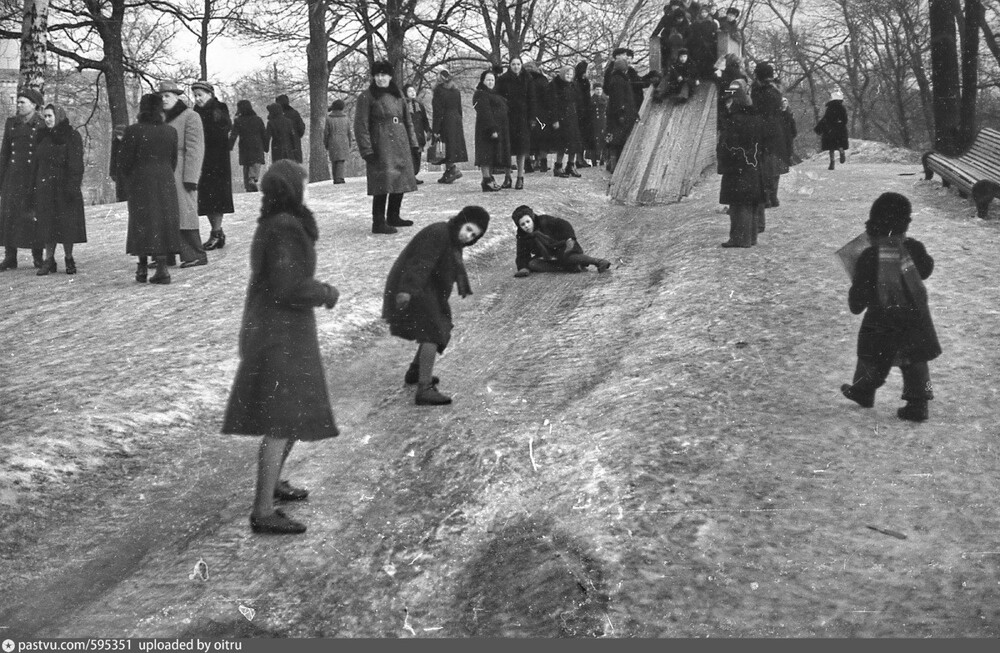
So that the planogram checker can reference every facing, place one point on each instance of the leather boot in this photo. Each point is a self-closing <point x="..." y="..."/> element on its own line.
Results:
<point x="379" y="226"/>
<point x="915" y="410"/>
<point x="428" y="395"/>
<point x="162" y="275"/>
<point x="396" y="221"/>
<point x="519" y="184"/>
<point x="489" y="185"/>
<point x="506" y="181"/>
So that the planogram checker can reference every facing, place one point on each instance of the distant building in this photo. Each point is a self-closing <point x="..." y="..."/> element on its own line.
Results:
<point x="10" y="68"/>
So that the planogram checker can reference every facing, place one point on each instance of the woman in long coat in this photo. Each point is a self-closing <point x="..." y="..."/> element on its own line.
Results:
<point x="564" y="103"/>
<point x="17" y="176"/>
<point x="622" y="111"/>
<point x="541" y="129"/>
<point x="740" y="162"/>
<point x="767" y="104"/>
<point x="584" y="112"/>
<point x="215" y="186"/>
<point x="517" y="88"/>
<point x="446" y="110"/>
<point x="249" y="129"/>
<point x="384" y="131"/>
<point x="492" y="131"/>
<point x="58" y="197"/>
<point x="415" y="300"/>
<point x="146" y="162"/>
<point x="832" y="127"/>
<point x="280" y="140"/>
<point x="190" y="155"/>
<point x="280" y="388"/>
<point x="421" y="124"/>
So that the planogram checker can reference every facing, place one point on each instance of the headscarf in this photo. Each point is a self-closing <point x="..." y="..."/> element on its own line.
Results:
<point x="282" y="192"/>
<point x="478" y="216"/>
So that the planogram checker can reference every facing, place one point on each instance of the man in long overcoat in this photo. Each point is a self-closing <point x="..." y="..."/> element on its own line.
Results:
<point x="190" y="155"/>
<point x="17" y="155"/>
<point x="298" y="124"/>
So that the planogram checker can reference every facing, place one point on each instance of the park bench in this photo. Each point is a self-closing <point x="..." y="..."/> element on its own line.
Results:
<point x="975" y="171"/>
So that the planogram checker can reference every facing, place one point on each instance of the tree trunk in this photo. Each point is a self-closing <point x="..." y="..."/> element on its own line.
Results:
<point x="206" y="20"/>
<point x="33" y="44"/>
<point x="395" y="34"/>
<point x="974" y="14"/>
<point x="318" y="72"/>
<point x="944" y="77"/>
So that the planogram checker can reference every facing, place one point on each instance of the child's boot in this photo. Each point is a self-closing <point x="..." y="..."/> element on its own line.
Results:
<point x="915" y="410"/>
<point x="863" y="399"/>
<point x="428" y="395"/>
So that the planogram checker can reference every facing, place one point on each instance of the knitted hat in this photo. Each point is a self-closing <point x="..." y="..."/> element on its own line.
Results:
<point x="520" y="212"/>
<point x="477" y="215"/>
<point x="170" y="86"/>
<point x="33" y="95"/>
<point x="382" y="67"/>
<point x="203" y="85"/>
<point x="764" y="72"/>
<point x="890" y="214"/>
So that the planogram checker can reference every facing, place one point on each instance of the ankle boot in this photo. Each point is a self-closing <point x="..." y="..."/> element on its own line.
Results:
<point x="915" y="410"/>
<point x="863" y="399"/>
<point x="70" y="265"/>
<point x="48" y="265"/>
<point x="544" y="166"/>
<point x="216" y="240"/>
<point x="529" y="166"/>
<point x="489" y="185"/>
<point x="162" y="275"/>
<point x="379" y="226"/>
<point x="519" y="184"/>
<point x="428" y="395"/>
<point x="141" y="273"/>
<point x="571" y="172"/>
<point x="506" y="181"/>
<point x="396" y="221"/>
<point x="557" y="170"/>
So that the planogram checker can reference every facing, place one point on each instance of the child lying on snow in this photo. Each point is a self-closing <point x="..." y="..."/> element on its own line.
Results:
<point x="548" y="244"/>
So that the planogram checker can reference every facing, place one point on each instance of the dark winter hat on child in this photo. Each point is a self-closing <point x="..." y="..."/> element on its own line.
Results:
<point x="764" y="72"/>
<point x="520" y="212"/>
<point x="477" y="215"/>
<point x="33" y="95"/>
<point x="890" y="214"/>
<point x="382" y="67"/>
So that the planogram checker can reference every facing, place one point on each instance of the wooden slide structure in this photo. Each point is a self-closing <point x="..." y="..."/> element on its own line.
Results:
<point x="670" y="146"/>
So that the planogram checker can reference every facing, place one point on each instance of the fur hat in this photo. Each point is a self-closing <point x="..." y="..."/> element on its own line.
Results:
<point x="383" y="67"/>
<point x="618" y="51"/>
<point x="733" y="11"/>
<point x="890" y="214"/>
<point x="763" y="72"/>
<point x="520" y="212"/>
<point x="203" y="85"/>
<point x="33" y="95"/>
<point x="170" y="86"/>
<point x="284" y="180"/>
<point x="477" y="215"/>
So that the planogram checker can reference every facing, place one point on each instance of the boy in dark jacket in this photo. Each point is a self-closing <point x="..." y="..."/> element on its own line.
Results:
<point x="548" y="244"/>
<point x="680" y="81"/>
<point x="897" y="327"/>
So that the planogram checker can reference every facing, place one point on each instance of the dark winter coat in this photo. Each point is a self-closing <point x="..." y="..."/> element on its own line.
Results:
<point x="832" y="127"/>
<point x="147" y="158"/>
<point x="280" y="387"/>
<point x="421" y="123"/>
<point x="337" y="135"/>
<point x="541" y="126"/>
<point x="636" y="84"/>
<point x="249" y="128"/>
<point x="17" y="176"/>
<point x="298" y="130"/>
<point x="583" y="109"/>
<point x="554" y="231"/>
<point x="564" y="103"/>
<point x="58" y="177"/>
<point x="599" y="119"/>
<point x="774" y="142"/>
<point x="519" y="92"/>
<point x="190" y="156"/>
<point x="492" y="130"/>
<point x="446" y="107"/>
<point x="622" y="110"/>
<point x="280" y="140"/>
<point x="791" y="131"/>
<point x="384" y="132"/>
<point x="740" y="160"/>
<point x="215" y="186"/>
<point x="904" y="333"/>
<point x="703" y="44"/>
<point x="426" y="269"/>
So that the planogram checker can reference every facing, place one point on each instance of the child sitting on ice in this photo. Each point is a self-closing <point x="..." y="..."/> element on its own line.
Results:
<point x="548" y="244"/>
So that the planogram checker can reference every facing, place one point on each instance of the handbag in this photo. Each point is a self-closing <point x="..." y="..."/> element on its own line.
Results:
<point x="436" y="152"/>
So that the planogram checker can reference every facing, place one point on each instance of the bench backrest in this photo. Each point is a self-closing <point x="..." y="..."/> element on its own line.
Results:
<point x="984" y="153"/>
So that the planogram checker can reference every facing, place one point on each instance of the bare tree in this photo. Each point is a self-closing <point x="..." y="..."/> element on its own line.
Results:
<point x="34" y="37"/>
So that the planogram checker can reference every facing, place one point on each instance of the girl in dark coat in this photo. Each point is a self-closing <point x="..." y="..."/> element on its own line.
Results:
<point x="58" y="198"/>
<point x="215" y="187"/>
<point x="767" y="104"/>
<point x="492" y="130"/>
<point x="280" y="387"/>
<point x="421" y="124"/>
<point x="583" y="111"/>
<point x="832" y="127"/>
<point x="147" y="159"/>
<point x="564" y="104"/>
<point x="446" y="107"/>
<point x="622" y="111"/>
<point x="791" y="131"/>
<point x="541" y="130"/>
<point x="249" y="129"/>
<point x="517" y="88"/>
<point x="740" y="162"/>
<point x="280" y="139"/>
<point x="546" y="243"/>
<point x="897" y="329"/>
<point x="384" y="131"/>
<point x="415" y="300"/>
<point x="17" y="176"/>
